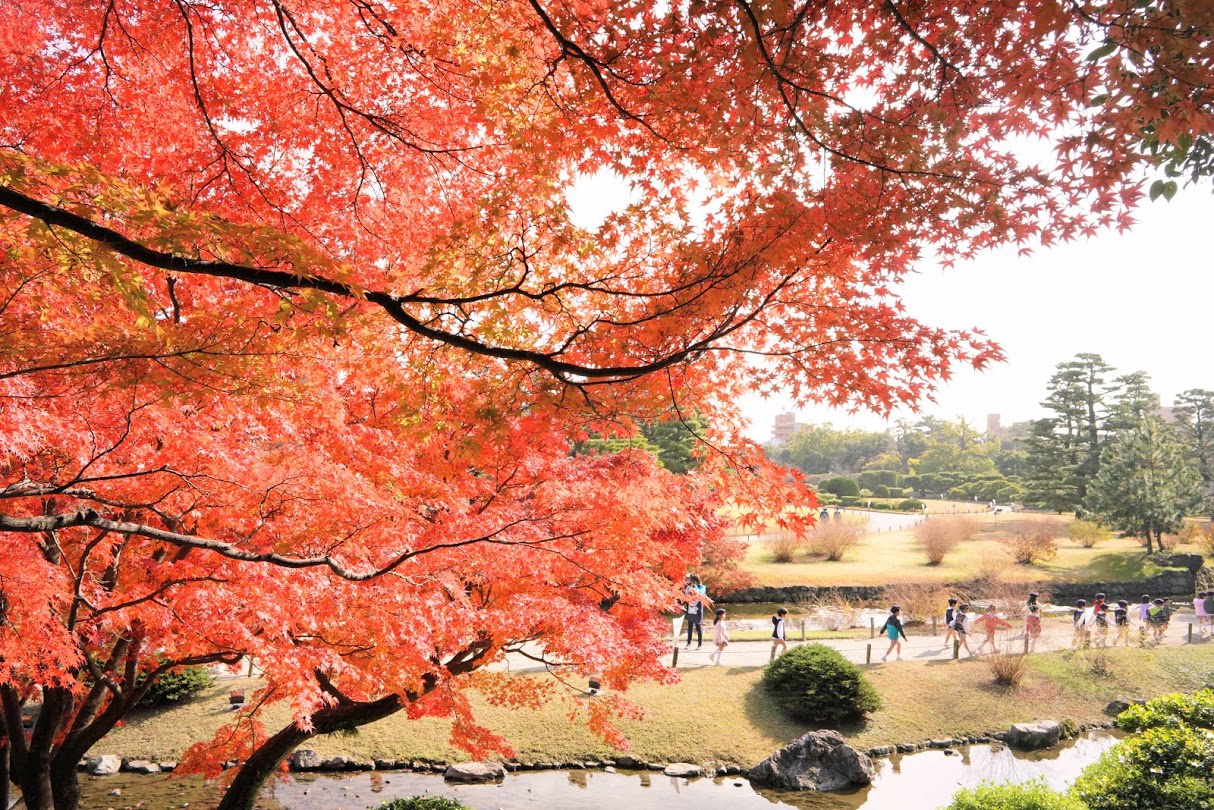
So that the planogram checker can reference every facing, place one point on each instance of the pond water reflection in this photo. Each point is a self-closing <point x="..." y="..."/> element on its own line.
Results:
<point x="920" y="781"/>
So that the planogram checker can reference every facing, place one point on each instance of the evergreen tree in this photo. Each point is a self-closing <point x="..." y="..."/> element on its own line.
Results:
<point x="1145" y="484"/>
<point x="1064" y="449"/>
<point x="675" y="441"/>
<point x="1195" y="427"/>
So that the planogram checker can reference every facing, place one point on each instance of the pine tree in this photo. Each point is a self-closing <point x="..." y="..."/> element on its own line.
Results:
<point x="1195" y="427"/>
<point x="1145" y="484"/>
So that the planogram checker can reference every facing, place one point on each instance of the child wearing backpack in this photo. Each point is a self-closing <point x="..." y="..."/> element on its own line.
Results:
<point x="1121" y="620"/>
<point x="777" y="632"/>
<point x="893" y="629"/>
<point x="1158" y="617"/>
<point x="1101" y="620"/>
<point x="961" y="626"/>
<point x="950" y="616"/>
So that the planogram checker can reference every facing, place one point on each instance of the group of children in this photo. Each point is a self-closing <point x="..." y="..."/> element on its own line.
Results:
<point x="1091" y="624"/>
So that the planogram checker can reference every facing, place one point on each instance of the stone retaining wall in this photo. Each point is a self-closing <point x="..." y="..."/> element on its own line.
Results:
<point x="1180" y="581"/>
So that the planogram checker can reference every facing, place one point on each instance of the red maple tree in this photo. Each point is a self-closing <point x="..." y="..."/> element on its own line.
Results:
<point x="297" y="329"/>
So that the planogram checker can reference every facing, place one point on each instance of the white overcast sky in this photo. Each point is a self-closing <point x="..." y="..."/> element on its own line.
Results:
<point x="1142" y="299"/>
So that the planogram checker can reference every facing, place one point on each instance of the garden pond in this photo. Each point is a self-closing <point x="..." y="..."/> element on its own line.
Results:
<point x="924" y="780"/>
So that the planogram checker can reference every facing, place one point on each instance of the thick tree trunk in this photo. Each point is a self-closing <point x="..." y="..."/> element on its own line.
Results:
<point x="65" y="784"/>
<point x="36" y="790"/>
<point x="3" y="777"/>
<point x="261" y="765"/>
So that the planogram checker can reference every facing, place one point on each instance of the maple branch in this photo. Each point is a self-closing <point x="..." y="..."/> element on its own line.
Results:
<point x="571" y="48"/>
<point x="393" y="305"/>
<point x="915" y="35"/>
<point x="267" y="757"/>
<point x="89" y="517"/>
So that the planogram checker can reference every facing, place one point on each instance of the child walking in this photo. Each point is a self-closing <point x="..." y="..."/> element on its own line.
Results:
<point x="1158" y="617"/>
<point x="777" y="632"/>
<point x="1101" y="619"/>
<point x="893" y="628"/>
<point x="990" y="624"/>
<point x="961" y="625"/>
<point x="1032" y="626"/>
<point x="720" y="636"/>
<point x="1121" y="620"/>
<point x="1144" y="610"/>
<point x="1083" y="633"/>
<point x="950" y="616"/>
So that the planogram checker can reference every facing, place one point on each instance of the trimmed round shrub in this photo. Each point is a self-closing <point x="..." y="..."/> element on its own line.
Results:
<point x="177" y="685"/>
<point x="911" y="505"/>
<point x="816" y="684"/>
<point x="842" y="486"/>
<point x="1034" y="795"/>
<point x="424" y="803"/>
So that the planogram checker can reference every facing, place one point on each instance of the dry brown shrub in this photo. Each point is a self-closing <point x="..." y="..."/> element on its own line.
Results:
<point x="921" y="601"/>
<point x="834" y="539"/>
<point x="1099" y="661"/>
<point x="1088" y="533"/>
<point x="1198" y="534"/>
<point x="784" y="546"/>
<point x="940" y="535"/>
<point x="1035" y="541"/>
<point x="1008" y="668"/>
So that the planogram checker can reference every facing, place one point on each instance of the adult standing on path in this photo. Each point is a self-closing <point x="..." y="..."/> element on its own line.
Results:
<point x="693" y="609"/>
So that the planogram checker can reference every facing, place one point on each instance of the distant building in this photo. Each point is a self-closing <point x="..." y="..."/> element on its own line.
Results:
<point x="1167" y="413"/>
<point x="785" y="426"/>
<point x="993" y="427"/>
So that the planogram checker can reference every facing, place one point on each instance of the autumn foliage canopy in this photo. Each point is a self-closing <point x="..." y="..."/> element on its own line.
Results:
<point x="304" y="305"/>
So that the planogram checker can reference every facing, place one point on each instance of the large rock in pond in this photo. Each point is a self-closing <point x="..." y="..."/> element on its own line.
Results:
<point x="820" y="760"/>
<point x="305" y="759"/>
<point x="683" y="769"/>
<point x="1031" y="736"/>
<point x="474" y="772"/>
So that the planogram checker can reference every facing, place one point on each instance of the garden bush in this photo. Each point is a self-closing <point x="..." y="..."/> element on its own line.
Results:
<point x="833" y="538"/>
<point x="1170" y="710"/>
<point x="911" y="505"/>
<point x="816" y="684"/>
<point x="1036" y="541"/>
<point x="424" y="803"/>
<point x="1035" y="795"/>
<point x="1088" y="533"/>
<point x="1163" y="768"/>
<point x="784" y="546"/>
<point x="175" y="686"/>
<point x="842" y="486"/>
<point x="940" y="535"/>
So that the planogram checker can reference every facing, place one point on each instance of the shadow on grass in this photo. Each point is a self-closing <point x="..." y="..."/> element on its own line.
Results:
<point x="1115" y="566"/>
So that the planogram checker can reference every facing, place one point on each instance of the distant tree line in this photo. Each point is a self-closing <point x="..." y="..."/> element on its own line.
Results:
<point x="1104" y="451"/>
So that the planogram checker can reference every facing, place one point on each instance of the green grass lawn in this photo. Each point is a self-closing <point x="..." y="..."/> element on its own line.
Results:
<point x="721" y="713"/>
<point x="896" y="557"/>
